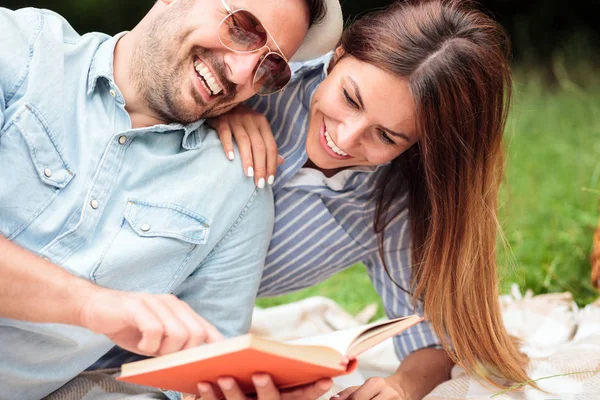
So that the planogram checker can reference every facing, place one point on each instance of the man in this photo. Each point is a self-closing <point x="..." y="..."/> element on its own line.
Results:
<point x="114" y="193"/>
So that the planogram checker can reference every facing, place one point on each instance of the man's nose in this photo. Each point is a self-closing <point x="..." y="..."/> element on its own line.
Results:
<point x="241" y="66"/>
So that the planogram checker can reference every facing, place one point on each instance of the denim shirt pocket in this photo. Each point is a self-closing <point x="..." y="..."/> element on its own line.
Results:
<point x="151" y="248"/>
<point x="40" y="170"/>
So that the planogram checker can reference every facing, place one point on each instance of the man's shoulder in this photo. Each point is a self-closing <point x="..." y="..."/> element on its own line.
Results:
<point x="225" y="179"/>
<point x="17" y="36"/>
<point x="23" y="25"/>
<point x="23" y="31"/>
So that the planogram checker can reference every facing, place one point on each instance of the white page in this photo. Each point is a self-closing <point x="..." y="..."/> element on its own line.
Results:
<point x="338" y="340"/>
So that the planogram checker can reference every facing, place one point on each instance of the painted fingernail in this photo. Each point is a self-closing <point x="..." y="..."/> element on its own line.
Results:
<point x="250" y="172"/>
<point x="203" y="387"/>
<point x="231" y="156"/>
<point x="225" y="383"/>
<point x="271" y="180"/>
<point x="261" y="183"/>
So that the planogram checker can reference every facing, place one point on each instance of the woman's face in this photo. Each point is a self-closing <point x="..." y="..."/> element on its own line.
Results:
<point x="360" y="115"/>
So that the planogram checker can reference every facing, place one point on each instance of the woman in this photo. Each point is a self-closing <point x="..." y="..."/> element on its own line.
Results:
<point x="393" y="157"/>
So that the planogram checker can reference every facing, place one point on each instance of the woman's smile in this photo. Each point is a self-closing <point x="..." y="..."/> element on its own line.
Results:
<point x="329" y="146"/>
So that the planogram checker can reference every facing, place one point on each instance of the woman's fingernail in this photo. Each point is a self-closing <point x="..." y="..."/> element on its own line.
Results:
<point x="271" y="180"/>
<point x="250" y="172"/>
<point x="231" y="156"/>
<point x="261" y="183"/>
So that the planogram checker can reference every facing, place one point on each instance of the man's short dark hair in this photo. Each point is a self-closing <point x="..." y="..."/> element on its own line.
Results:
<point x="316" y="10"/>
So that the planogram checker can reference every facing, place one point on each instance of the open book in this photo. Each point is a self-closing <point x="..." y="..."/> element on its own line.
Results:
<point x="289" y="363"/>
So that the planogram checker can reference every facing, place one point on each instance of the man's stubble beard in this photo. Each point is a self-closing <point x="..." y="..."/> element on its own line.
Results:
<point x="157" y="74"/>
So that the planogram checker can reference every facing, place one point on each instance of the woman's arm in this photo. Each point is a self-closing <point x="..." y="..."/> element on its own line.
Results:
<point x="419" y="373"/>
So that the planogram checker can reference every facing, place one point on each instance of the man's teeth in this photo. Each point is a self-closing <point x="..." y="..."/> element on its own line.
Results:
<point x="208" y="80"/>
<point x="332" y="145"/>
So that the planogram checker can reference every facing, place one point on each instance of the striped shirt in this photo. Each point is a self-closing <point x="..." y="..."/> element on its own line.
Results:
<point x="324" y="225"/>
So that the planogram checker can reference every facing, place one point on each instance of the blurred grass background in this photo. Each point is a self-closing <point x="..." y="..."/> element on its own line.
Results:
<point x="549" y="199"/>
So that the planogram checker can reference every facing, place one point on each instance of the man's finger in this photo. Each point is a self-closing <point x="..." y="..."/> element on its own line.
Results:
<point x="212" y="333"/>
<point x="149" y="325"/>
<point x="265" y="388"/>
<point x="206" y="391"/>
<point x="230" y="389"/>
<point x="195" y="327"/>
<point x="175" y="332"/>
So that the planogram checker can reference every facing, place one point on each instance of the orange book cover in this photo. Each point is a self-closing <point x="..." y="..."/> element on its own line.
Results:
<point x="289" y="364"/>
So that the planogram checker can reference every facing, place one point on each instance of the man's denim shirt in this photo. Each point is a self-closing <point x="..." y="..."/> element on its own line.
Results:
<point x="156" y="210"/>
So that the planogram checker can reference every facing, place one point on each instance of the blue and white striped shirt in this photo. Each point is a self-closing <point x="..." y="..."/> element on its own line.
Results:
<point x="324" y="225"/>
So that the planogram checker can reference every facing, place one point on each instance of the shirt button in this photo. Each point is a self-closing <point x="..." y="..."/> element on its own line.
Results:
<point x="95" y="204"/>
<point x="145" y="228"/>
<point x="48" y="172"/>
<point x="122" y="139"/>
<point x="112" y="93"/>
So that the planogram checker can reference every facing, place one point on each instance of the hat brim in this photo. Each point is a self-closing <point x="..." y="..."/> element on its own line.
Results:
<point x="324" y="36"/>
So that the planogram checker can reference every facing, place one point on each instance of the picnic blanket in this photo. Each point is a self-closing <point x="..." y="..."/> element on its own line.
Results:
<point x="562" y="341"/>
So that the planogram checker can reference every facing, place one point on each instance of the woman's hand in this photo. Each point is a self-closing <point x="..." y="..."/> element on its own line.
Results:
<point x="265" y="390"/>
<point x="255" y="140"/>
<point x="373" y="388"/>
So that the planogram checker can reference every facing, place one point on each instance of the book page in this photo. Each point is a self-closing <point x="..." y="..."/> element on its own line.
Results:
<point x="377" y="334"/>
<point x="338" y="340"/>
<point x="354" y="341"/>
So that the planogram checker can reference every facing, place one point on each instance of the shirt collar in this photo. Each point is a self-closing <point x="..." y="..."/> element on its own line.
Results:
<point x="102" y="63"/>
<point x="102" y="67"/>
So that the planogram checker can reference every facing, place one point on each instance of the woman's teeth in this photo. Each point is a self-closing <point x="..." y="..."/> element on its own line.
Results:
<point x="333" y="146"/>
<point x="208" y="80"/>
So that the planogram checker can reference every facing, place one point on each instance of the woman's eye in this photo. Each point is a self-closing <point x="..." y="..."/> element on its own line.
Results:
<point x="349" y="100"/>
<point x="385" y="138"/>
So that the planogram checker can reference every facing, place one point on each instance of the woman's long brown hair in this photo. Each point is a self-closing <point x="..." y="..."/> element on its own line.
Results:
<point x="455" y="59"/>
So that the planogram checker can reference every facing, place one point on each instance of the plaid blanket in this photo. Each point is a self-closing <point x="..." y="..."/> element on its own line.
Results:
<point x="562" y="341"/>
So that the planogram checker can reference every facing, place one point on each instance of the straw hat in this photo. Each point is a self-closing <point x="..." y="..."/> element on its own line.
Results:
<point x="324" y="36"/>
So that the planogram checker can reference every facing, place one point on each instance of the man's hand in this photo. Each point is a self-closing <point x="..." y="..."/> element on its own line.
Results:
<point x="146" y="324"/>
<point x="265" y="390"/>
<point x="373" y="388"/>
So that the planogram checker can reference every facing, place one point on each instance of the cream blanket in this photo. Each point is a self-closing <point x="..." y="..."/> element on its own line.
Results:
<point x="562" y="341"/>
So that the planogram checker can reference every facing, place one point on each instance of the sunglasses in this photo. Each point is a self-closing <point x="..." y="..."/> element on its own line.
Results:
<point x="242" y="32"/>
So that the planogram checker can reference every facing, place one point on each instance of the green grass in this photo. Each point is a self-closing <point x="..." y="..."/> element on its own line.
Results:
<point x="549" y="200"/>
